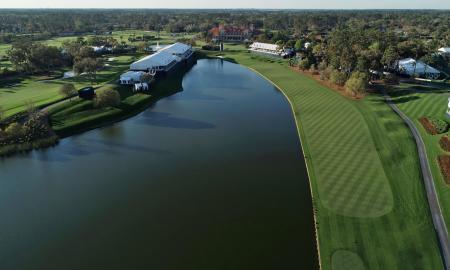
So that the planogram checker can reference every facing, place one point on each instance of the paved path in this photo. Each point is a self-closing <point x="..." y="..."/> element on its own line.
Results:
<point x="438" y="219"/>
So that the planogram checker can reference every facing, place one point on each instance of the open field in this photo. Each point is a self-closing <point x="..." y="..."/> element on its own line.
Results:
<point x="15" y="93"/>
<point x="367" y="189"/>
<point x="417" y="101"/>
<point x="164" y="38"/>
<point x="78" y="115"/>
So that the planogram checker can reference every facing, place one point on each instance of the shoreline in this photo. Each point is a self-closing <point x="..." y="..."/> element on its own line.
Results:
<point x="305" y="156"/>
<point x="167" y="86"/>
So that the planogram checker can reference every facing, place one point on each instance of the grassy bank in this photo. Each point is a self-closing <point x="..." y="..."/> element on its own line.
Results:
<point x="42" y="90"/>
<point x="366" y="184"/>
<point x="417" y="101"/>
<point x="80" y="115"/>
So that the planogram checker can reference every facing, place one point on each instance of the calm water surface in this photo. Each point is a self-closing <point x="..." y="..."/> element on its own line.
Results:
<point x="209" y="178"/>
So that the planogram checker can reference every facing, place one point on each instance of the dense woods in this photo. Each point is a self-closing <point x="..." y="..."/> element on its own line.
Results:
<point x="340" y="42"/>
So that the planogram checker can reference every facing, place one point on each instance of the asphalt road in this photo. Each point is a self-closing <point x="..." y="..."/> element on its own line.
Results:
<point x="435" y="208"/>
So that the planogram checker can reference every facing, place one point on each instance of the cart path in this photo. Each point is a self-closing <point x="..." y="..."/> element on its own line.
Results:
<point x="435" y="208"/>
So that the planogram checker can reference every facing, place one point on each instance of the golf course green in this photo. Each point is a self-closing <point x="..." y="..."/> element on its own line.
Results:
<point x="368" y="196"/>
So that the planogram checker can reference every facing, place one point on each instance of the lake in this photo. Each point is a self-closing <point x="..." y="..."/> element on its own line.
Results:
<point x="211" y="177"/>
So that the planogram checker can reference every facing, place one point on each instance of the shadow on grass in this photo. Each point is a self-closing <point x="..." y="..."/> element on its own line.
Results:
<point x="401" y="100"/>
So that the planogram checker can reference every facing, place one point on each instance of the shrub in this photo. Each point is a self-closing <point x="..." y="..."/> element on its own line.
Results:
<point x="325" y="74"/>
<point x="391" y="79"/>
<point x="67" y="90"/>
<point x="313" y="70"/>
<point x="322" y="66"/>
<point x="14" y="131"/>
<point x="444" y="164"/>
<point x="107" y="98"/>
<point x="304" y="64"/>
<point x="434" y="126"/>
<point x="440" y="125"/>
<point x="444" y="142"/>
<point x="338" y="77"/>
<point x="427" y="125"/>
<point x="357" y="83"/>
<point x="209" y="47"/>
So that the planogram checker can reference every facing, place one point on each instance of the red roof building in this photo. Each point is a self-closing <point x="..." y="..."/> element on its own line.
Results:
<point x="231" y="33"/>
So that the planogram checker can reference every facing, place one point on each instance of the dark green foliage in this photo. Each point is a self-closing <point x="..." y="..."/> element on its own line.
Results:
<point x="338" y="77"/>
<point x="440" y="125"/>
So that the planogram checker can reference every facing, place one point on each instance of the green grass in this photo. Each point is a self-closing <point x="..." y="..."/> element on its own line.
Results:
<point x="344" y="260"/>
<point x="79" y="115"/>
<point x="432" y="102"/>
<point x="15" y="93"/>
<point x="360" y="157"/>
<point x="164" y="38"/>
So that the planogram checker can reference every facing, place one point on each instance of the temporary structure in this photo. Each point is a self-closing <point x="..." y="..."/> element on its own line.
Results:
<point x="160" y="61"/>
<point x="141" y="87"/>
<point x="131" y="77"/>
<point x="412" y="67"/>
<point x="266" y="47"/>
<point x="183" y="51"/>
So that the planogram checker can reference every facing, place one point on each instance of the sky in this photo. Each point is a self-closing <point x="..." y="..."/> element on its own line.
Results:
<point x="260" y="4"/>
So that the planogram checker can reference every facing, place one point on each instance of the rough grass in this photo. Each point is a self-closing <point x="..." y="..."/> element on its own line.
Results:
<point x="402" y="238"/>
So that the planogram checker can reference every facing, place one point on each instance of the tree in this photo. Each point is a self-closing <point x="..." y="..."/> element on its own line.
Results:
<point x="107" y="98"/>
<point x="67" y="90"/>
<point x="298" y="45"/>
<point x="89" y="66"/>
<point x="338" y="77"/>
<point x="389" y="57"/>
<point x="30" y="107"/>
<point x="357" y="84"/>
<point x="304" y="64"/>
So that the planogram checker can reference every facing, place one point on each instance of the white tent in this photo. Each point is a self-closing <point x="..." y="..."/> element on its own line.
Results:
<point x="444" y="50"/>
<point x="178" y="49"/>
<point x="160" y="61"/>
<point x="131" y="77"/>
<point x="266" y="48"/>
<point x="141" y="87"/>
<point x="411" y="67"/>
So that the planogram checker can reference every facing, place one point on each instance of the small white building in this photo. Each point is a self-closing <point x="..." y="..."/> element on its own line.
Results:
<point x="412" y="67"/>
<point x="139" y="87"/>
<point x="266" y="48"/>
<point x="131" y="77"/>
<point x="160" y="61"/>
<point x="101" y="49"/>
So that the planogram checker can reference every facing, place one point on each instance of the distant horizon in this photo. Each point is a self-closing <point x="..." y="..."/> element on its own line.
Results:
<point x="232" y="5"/>
<point x="225" y="9"/>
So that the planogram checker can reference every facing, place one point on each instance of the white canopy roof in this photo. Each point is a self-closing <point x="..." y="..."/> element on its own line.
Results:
<point x="160" y="58"/>
<point x="132" y="75"/>
<point x="265" y="46"/>
<point x="444" y="50"/>
<point x="176" y="48"/>
<point x="410" y="65"/>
